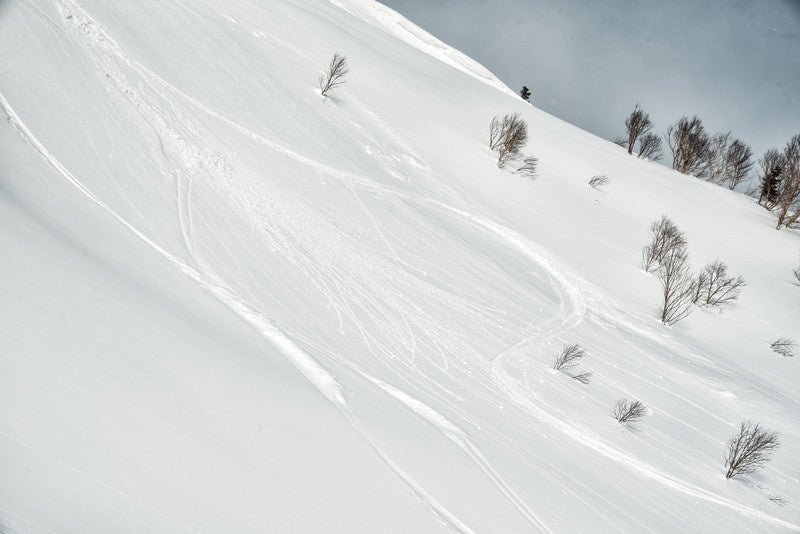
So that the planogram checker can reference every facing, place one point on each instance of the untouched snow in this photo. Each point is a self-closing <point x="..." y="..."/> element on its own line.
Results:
<point x="230" y="305"/>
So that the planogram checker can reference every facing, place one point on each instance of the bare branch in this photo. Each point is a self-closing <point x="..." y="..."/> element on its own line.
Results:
<point x="650" y="147"/>
<point x="334" y="77"/>
<point x="598" y="180"/>
<point x="749" y="449"/>
<point x="626" y="411"/>
<point x="783" y="346"/>
<point x="621" y="141"/>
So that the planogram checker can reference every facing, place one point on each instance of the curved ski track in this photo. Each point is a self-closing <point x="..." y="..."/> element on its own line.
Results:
<point x="573" y="292"/>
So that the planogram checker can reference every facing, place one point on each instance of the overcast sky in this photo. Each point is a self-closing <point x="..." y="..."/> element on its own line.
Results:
<point x="736" y="64"/>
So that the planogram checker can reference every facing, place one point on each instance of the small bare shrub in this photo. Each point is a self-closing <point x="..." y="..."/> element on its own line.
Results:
<point x="569" y="357"/>
<point x="507" y="136"/>
<point x="598" y="180"/>
<point x="797" y="274"/>
<point x="567" y="360"/>
<point x="338" y="68"/>
<point x="626" y="411"/>
<point x="713" y="287"/>
<point x="749" y="449"/>
<point x="528" y="167"/>
<point x="783" y="346"/>
<point x="677" y="286"/>
<point x="666" y="237"/>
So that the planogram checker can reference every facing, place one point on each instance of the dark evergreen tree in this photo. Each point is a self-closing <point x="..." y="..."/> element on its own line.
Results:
<point x="770" y="177"/>
<point x="525" y="93"/>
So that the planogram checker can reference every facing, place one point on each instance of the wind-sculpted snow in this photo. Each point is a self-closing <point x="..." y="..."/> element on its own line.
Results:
<point x="416" y="293"/>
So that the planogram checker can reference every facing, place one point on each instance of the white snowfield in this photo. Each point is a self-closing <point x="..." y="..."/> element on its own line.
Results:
<point x="230" y="305"/>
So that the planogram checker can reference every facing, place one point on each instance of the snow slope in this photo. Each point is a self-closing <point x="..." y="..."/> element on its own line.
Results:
<point x="230" y="305"/>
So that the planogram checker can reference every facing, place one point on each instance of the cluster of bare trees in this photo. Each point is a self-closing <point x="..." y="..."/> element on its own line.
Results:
<point x="779" y="185"/>
<point x="722" y="159"/>
<point x="666" y="254"/>
<point x="508" y="136"/>
<point x="719" y="158"/>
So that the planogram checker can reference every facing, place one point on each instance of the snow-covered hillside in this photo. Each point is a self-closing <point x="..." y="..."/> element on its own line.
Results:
<point x="231" y="305"/>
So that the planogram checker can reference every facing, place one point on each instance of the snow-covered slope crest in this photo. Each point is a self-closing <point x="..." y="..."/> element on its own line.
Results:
<point x="397" y="25"/>
<point x="231" y="305"/>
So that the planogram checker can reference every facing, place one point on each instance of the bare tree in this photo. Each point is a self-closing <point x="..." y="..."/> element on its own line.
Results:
<point x="713" y="287"/>
<point x="626" y="411"/>
<point x="771" y="164"/>
<point x="338" y="68"/>
<point x="717" y="157"/>
<point x="598" y="180"/>
<point x="749" y="449"/>
<point x="528" y="167"/>
<point x="666" y="237"/>
<point x="689" y="144"/>
<point x="677" y="286"/>
<point x="729" y="162"/>
<point x="650" y="147"/>
<point x="507" y="136"/>
<point x="789" y="200"/>
<point x="566" y="361"/>
<point x="783" y="346"/>
<point x="739" y="163"/>
<point x="637" y="125"/>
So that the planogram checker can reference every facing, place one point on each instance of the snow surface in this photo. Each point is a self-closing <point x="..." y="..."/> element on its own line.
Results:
<point x="230" y="305"/>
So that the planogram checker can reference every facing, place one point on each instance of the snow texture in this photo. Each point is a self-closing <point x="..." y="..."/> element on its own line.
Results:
<point x="232" y="305"/>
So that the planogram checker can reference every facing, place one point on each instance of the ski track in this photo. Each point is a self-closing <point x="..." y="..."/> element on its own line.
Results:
<point x="570" y="288"/>
<point x="317" y="375"/>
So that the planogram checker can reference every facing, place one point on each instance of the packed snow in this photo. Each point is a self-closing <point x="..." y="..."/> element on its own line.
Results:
<point x="232" y="305"/>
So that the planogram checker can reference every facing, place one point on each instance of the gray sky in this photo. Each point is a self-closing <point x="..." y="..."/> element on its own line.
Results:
<point x="736" y="64"/>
